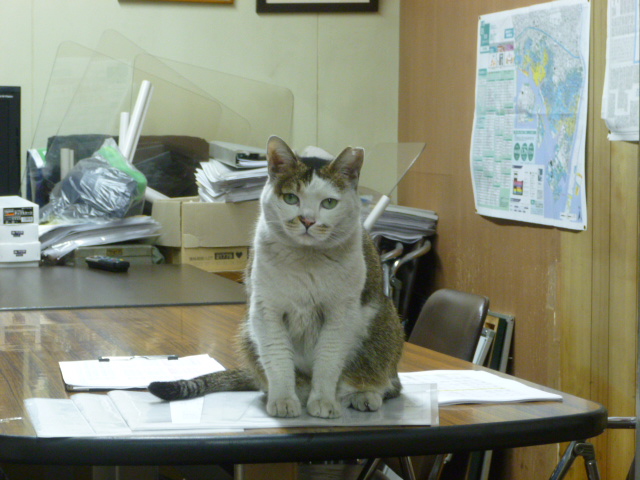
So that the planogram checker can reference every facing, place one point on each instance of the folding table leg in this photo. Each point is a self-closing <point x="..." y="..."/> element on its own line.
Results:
<point x="578" y="448"/>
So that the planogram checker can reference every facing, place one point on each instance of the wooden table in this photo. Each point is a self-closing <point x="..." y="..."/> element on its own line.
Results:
<point x="32" y="342"/>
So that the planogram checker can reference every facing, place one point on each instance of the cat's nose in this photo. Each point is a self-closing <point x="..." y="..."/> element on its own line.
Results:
<point x="307" y="222"/>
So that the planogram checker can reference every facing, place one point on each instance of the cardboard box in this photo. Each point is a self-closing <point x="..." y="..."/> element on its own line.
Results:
<point x="212" y="236"/>
<point x="210" y="259"/>
<point x="188" y="223"/>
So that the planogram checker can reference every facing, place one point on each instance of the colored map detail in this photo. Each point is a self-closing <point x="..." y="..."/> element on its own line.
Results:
<point x="527" y="156"/>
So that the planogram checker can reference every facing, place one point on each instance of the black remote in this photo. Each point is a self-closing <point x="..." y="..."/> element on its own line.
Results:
<point x="110" y="264"/>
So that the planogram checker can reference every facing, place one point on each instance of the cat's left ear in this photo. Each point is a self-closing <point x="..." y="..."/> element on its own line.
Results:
<point x="280" y="157"/>
<point x="349" y="163"/>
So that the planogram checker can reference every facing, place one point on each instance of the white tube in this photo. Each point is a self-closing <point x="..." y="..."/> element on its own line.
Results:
<point x="380" y="207"/>
<point x="138" y="131"/>
<point x="124" y="126"/>
<point x="150" y="195"/>
<point x="136" y="120"/>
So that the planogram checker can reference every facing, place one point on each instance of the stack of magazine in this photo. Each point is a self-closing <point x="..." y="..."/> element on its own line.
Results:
<point x="405" y="224"/>
<point x="57" y="240"/>
<point x="234" y="173"/>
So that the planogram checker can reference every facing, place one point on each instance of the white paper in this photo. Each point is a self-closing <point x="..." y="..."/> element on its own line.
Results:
<point x="59" y="239"/>
<point x="620" y="96"/>
<point x="220" y="182"/>
<point x="89" y="415"/>
<point x="53" y="417"/>
<point x="404" y="224"/>
<point x="529" y="131"/>
<point x="138" y="372"/>
<point x="124" y="412"/>
<point x="476" y="386"/>
<point x="144" y="412"/>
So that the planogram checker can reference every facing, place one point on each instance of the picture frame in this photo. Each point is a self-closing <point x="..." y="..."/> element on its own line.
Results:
<point x="227" y="2"/>
<point x="316" y="6"/>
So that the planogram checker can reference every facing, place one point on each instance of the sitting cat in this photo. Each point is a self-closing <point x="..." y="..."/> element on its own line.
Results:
<point x="319" y="331"/>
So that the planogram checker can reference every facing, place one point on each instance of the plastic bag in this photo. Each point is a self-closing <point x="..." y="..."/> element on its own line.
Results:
<point x="102" y="187"/>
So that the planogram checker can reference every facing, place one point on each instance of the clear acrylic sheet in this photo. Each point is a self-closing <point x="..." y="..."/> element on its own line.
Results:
<point x="89" y="88"/>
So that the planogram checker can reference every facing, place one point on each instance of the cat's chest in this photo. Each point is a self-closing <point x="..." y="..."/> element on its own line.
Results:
<point x="310" y="279"/>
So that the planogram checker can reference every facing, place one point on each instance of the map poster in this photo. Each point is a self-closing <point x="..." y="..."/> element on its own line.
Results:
<point x="529" y="130"/>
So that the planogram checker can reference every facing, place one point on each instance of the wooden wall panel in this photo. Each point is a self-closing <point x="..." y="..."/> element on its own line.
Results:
<point x="574" y="294"/>
<point x="623" y="305"/>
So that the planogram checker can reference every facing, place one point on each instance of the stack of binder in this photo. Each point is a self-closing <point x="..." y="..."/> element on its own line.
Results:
<point x="493" y="351"/>
<point x="494" y="345"/>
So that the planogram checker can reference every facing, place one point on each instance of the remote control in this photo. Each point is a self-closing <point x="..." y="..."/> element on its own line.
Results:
<point x="110" y="264"/>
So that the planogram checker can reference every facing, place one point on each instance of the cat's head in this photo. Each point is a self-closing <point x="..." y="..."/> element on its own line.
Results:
<point x="311" y="201"/>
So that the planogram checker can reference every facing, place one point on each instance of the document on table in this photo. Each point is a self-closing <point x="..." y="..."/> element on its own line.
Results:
<point x="133" y="372"/>
<point x="476" y="386"/>
<point x="125" y="412"/>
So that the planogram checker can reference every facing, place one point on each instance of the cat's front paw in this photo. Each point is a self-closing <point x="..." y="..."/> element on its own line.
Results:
<point x="284" y="407"/>
<point x="324" y="408"/>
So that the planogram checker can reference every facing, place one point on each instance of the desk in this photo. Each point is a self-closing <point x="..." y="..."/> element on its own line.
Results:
<point x="32" y="288"/>
<point x="29" y="368"/>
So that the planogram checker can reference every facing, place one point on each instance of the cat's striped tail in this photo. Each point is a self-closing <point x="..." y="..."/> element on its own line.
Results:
<point x="224" y="381"/>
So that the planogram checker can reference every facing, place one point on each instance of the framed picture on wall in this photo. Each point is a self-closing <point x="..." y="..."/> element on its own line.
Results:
<point x="198" y="1"/>
<point x="289" y="6"/>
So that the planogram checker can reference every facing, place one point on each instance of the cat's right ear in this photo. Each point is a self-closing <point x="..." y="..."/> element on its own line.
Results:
<point x="280" y="157"/>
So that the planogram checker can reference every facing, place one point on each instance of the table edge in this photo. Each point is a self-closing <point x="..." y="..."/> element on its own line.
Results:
<point x="304" y="446"/>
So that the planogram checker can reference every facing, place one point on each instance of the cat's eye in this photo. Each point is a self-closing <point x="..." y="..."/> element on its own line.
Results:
<point x="329" y="203"/>
<point x="290" y="198"/>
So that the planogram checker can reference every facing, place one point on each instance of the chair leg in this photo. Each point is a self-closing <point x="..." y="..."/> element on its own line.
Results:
<point x="368" y="469"/>
<point x="575" y="449"/>
<point x="436" y="469"/>
<point x="371" y="465"/>
<point x="407" y="469"/>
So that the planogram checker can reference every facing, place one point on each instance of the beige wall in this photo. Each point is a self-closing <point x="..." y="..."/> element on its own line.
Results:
<point x="342" y="96"/>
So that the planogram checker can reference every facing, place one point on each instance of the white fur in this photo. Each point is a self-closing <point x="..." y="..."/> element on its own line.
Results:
<point x="296" y="274"/>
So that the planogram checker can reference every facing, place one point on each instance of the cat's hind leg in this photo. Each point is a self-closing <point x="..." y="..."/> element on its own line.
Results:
<point x="365" y="401"/>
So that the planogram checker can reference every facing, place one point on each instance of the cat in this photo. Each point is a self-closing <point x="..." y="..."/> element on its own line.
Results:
<point x="319" y="330"/>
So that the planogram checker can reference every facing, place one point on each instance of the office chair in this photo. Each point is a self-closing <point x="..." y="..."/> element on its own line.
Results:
<point x="450" y="322"/>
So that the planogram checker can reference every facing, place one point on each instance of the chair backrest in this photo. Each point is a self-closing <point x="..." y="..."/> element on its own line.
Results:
<point x="451" y="322"/>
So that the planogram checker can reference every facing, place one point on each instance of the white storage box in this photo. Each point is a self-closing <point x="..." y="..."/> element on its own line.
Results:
<point x="19" y="233"/>
<point x="18" y="211"/>
<point x="19" y="239"/>
<point x="19" y="254"/>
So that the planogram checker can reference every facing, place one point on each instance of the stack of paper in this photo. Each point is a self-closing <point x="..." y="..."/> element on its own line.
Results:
<point x="59" y="239"/>
<point x="219" y="182"/>
<point x="125" y="412"/>
<point x="405" y="224"/>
